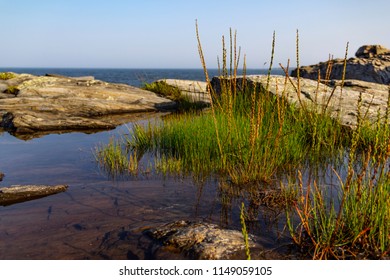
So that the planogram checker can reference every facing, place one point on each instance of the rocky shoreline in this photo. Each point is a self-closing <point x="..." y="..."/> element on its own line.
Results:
<point x="370" y="64"/>
<point x="30" y="104"/>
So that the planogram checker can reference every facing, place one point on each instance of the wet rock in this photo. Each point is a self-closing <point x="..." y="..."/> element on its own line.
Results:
<point x="53" y="103"/>
<point x="371" y="64"/>
<point x="200" y="240"/>
<point x="17" y="194"/>
<point x="340" y="103"/>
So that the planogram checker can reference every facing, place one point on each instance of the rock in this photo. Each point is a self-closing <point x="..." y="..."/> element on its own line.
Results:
<point x="343" y="102"/>
<point x="1" y="176"/>
<point x="372" y="64"/>
<point x="200" y="240"/>
<point x="195" y="90"/>
<point x="17" y="194"/>
<point x="54" y="103"/>
<point x="81" y="78"/>
<point x="369" y="51"/>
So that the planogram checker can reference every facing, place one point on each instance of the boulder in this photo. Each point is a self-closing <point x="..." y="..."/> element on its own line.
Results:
<point x="201" y="240"/>
<point x="339" y="102"/>
<point x="57" y="103"/>
<point x="17" y="194"/>
<point x="370" y="51"/>
<point x="371" y="64"/>
<point x="1" y="176"/>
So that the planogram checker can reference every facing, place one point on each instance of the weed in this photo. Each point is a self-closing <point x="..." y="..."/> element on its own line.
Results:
<point x="114" y="160"/>
<point x="245" y="232"/>
<point x="7" y="75"/>
<point x="162" y="88"/>
<point x="12" y="90"/>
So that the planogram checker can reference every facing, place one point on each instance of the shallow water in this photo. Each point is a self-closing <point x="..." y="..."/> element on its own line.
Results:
<point x="74" y="224"/>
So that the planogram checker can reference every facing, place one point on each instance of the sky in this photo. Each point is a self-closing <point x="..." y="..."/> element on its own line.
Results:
<point x="161" y="34"/>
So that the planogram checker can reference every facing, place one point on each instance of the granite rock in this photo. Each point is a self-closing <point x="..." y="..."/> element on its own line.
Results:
<point x="371" y="64"/>
<point x="57" y="103"/>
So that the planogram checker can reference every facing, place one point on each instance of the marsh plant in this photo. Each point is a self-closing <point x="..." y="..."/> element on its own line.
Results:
<point x="249" y="136"/>
<point x="115" y="160"/>
<point x="356" y="224"/>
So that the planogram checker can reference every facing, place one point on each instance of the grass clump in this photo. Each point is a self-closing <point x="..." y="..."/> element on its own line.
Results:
<point x="162" y="88"/>
<point x="7" y="75"/>
<point x="12" y="90"/>
<point x="115" y="160"/>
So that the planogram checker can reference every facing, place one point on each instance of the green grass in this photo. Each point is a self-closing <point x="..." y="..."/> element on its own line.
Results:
<point x="162" y="88"/>
<point x="115" y="160"/>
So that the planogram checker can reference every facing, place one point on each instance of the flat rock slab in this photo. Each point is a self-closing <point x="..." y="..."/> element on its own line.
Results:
<point x="339" y="102"/>
<point x="31" y="103"/>
<point x="17" y="194"/>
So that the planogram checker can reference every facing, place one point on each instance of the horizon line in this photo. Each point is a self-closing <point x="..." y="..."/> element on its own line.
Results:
<point x="127" y="68"/>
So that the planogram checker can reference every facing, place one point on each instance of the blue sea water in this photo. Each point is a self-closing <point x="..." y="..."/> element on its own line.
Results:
<point x="134" y="77"/>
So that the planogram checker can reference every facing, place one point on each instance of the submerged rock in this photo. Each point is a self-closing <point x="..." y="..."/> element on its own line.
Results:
<point x="200" y="240"/>
<point x="17" y="194"/>
<point x="55" y="103"/>
<point x="371" y="64"/>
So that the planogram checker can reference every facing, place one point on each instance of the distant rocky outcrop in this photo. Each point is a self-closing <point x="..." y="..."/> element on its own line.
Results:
<point x="31" y="103"/>
<point x="371" y="64"/>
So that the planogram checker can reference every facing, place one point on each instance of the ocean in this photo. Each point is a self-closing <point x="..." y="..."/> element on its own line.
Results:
<point x="133" y="77"/>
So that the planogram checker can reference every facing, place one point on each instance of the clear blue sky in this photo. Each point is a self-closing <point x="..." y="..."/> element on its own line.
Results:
<point x="161" y="34"/>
